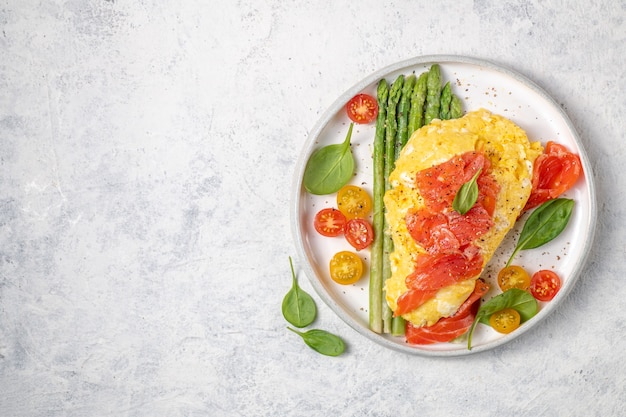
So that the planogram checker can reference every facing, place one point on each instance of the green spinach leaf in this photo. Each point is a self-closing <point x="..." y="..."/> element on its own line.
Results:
<point x="521" y="301"/>
<point x="298" y="306"/>
<point x="322" y="341"/>
<point x="329" y="168"/>
<point x="467" y="195"/>
<point x="544" y="224"/>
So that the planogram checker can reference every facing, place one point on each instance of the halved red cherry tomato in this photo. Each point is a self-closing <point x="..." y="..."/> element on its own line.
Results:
<point x="359" y="233"/>
<point x="329" y="222"/>
<point x="346" y="268"/>
<point x="513" y="276"/>
<point x="505" y="321"/>
<point x="362" y="109"/>
<point x="555" y="171"/>
<point x="544" y="285"/>
<point x="353" y="202"/>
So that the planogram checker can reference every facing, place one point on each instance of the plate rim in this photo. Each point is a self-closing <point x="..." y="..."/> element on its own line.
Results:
<point x="331" y="111"/>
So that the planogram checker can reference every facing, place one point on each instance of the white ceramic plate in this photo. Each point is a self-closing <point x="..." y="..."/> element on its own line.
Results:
<point x="479" y="84"/>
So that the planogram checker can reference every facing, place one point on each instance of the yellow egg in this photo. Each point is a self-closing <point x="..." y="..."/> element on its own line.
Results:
<point x="511" y="155"/>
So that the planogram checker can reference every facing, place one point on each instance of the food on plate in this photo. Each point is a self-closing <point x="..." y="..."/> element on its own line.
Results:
<point x="452" y="189"/>
<point x="376" y="305"/>
<point x="505" y="320"/>
<point x="449" y="328"/>
<point x="519" y="300"/>
<point x="362" y="108"/>
<point x="346" y="267"/>
<point x="545" y="223"/>
<point x="513" y="276"/>
<point x="403" y="108"/>
<point x="545" y="284"/>
<point x="433" y="96"/>
<point x="439" y="253"/>
<point x="555" y="171"/>
<point x="354" y="202"/>
<point x="359" y="233"/>
<point x="418" y="98"/>
<point x="329" y="168"/>
<point x="329" y="222"/>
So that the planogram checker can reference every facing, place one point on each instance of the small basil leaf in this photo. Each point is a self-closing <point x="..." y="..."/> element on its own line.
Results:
<point x="519" y="300"/>
<point x="298" y="306"/>
<point x="467" y="195"/>
<point x="329" y="168"/>
<point x="322" y="341"/>
<point x="544" y="224"/>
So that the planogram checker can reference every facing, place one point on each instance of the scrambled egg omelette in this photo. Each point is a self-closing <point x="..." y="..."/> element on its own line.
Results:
<point x="511" y="156"/>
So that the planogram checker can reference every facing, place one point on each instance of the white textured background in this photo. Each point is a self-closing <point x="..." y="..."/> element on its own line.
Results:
<point x="146" y="152"/>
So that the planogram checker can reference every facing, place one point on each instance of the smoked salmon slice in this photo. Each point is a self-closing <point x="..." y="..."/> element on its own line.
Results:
<point x="446" y="235"/>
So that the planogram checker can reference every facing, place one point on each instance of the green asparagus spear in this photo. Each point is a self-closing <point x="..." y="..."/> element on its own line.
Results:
<point x="395" y="325"/>
<point x="376" y="266"/>
<point x="446" y="98"/>
<point x="456" y="107"/>
<point x="416" y="113"/>
<point x="403" y="113"/>
<point x="398" y="326"/>
<point x="433" y="94"/>
<point x="395" y="93"/>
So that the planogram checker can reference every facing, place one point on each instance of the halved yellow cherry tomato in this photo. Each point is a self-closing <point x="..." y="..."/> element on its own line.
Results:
<point x="505" y="321"/>
<point x="346" y="268"/>
<point x="513" y="277"/>
<point x="354" y="202"/>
